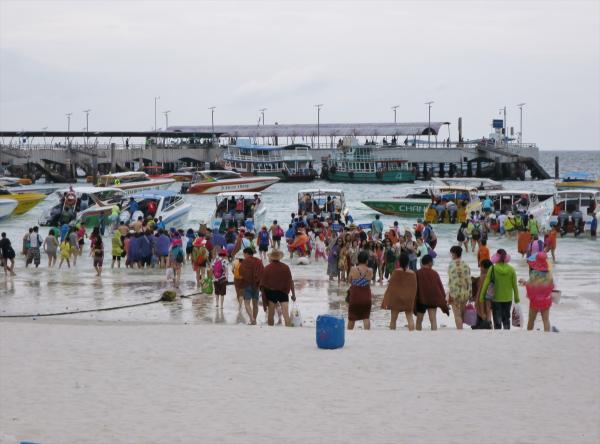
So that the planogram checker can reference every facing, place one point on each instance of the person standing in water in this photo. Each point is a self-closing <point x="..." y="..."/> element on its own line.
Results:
<point x="117" y="249"/>
<point x="251" y="271"/>
<point x="220" y="269"/>
<point x="65" y="252"/>
<point x="459" y="285"/>
<point x="98" y="254"/>
<point x="8" y="255"/>
<point x="51" y="247"/>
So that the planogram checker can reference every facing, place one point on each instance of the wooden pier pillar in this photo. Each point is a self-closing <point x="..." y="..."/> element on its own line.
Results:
<point x="153" y="153"/>
<point x="498" y="171"/>
<point x="478" y="171"/>
<point x="556" y="168"/>
<point x="469" y="169"/>
<point x="425" y="172"/>
<point x="442" y="173"/>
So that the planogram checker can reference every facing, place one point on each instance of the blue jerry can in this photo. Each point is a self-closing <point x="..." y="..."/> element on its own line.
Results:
<point x="330" y="331"/>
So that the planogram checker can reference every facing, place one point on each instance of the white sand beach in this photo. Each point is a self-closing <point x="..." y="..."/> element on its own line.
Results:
<point x="64" y="381"/>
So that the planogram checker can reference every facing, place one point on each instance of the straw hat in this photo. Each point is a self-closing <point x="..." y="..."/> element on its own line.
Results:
<point x="275" y="255"/>
<point x="538" y="261"/>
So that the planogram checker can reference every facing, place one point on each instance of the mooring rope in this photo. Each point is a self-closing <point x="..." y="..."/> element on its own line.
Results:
<point x="118" y="307"/>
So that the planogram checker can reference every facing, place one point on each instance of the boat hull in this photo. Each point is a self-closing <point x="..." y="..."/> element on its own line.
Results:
<point x="566" y="186"/>
<point x="233" y="185"/>
<point x="402" y="208"/>
<point x="7" y="206"/>
<point x="372" y="177"/>
<point x="25" y="201"/>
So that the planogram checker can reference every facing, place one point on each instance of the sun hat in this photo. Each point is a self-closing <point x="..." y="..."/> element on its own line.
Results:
<point x="275" y="255"/>
<point x="538" y="261"/>
<point x="222" y="252"/>
<point x="496" y="258"/>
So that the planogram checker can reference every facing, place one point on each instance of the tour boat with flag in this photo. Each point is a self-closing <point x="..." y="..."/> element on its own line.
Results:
<point x="223" y="181"/>
<point x="134" y="182"/>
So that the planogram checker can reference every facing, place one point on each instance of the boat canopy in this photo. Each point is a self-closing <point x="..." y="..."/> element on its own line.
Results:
<point x="321" y="191"/>
<point x="322" y="129"/>
<point x="88" y="190"/>
<point x="245" y="194"/>
<point x="153" y="194"/>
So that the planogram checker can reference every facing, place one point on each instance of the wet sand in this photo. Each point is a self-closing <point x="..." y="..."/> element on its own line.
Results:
<point x="75" y="381"/>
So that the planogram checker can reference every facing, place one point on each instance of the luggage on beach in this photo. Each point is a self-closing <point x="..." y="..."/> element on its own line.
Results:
<point x="470" y="315"/>
<point x="295" y="316"/>
<point x="330" y="332"/>
<point x="517" y="315"/>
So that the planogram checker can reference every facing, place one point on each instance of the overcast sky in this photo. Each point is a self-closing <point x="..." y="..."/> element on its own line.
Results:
<point x="357" y="58"/>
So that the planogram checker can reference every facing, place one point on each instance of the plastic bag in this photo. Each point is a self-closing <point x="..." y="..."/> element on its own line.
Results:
<point x="295" y="316"/>
<point x="517" y="315"/>
<point x="470" y="315"/>
<point x="207" y="286"/>
<point x="556" y="294"/>
<point x="170" y="274"/>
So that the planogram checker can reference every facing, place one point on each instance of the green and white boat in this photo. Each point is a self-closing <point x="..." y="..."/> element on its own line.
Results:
<point x="355" y="163"/>
<point x="403" y="207"/>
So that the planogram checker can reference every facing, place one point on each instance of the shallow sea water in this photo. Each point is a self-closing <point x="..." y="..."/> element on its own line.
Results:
<point x="577" y="270"/>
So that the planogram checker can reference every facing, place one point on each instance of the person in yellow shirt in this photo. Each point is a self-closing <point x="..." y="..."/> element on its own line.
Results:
<point x="65" y="252"/>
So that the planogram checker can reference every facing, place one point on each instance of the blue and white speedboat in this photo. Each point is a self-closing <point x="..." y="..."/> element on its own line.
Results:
<point x="167" y="204"/>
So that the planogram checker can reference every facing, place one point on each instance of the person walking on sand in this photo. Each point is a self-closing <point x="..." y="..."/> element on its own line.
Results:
<point x="251" y="271"/>
<point x="459" y="285"/>
<point x="276" y="283"/>
<point x="505" y="289"/>
<point x="539" y="290"/>
<point x="51" y="247"/>
<point x="430" y="293"/>
<point x="401" y="293"/>
<point x="359" y="294"/>
<point x="176" y="259"/>
<point x="237" y="279"/>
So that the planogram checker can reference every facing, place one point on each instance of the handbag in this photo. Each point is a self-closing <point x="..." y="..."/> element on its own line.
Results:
<point x="470" y="315"/>
<point x="517" y="316"/>
<point x="490" y="293"/>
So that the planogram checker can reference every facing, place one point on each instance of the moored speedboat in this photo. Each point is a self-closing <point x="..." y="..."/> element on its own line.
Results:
<point x="86" y="204"/>
<point x="575" y="210"/>
<point x="322" y="202"/>
<point x="166" y="204"/>
<point x="134" y="182"/>
<point x="222" y="181"/>
<point x="25" y="201"/>
<point x="578" y="181"/>
<point x="7" y="206"/>
<point x="238" y="209"/>
<point x="452" y="204"/>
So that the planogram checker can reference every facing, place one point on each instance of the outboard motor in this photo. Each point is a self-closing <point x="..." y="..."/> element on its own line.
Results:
<point x="563" y="219"/>
<point x="577" y="222"/>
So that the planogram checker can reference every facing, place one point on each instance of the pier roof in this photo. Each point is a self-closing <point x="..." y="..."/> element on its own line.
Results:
<point x="323" y="129"/>
<point x="92" y="134"/>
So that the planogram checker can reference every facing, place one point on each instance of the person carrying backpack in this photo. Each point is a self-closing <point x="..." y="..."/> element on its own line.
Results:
<point x="263" y="242"/>
<point x="219" y="271"/>
<point x="176" y="259"/>
<point x="199" y="259"/>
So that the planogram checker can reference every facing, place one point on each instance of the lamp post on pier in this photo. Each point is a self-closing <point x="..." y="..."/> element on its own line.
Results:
<point x="87" y="119"/>
<point x="395" y="107"/>
<point x="318" y="106"/>
<point x="212" y="121"/>
<point x="156" y="98"/>
<point x="262" y="113"/>
<point x="521" y="105"/>
<point x="166" y="113"/>
<point x="68" y="125"/>
<point x="504" y="125"/>
<point x="429" y="123"/>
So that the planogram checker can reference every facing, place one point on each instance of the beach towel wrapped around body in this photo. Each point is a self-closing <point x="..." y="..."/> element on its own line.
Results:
<point x="430" y="290"/>
<point x="401" y="293"/>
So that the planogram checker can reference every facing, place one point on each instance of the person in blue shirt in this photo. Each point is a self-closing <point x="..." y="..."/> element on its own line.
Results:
<point x="132" y="207"/>
<point x="377" y="228"/>
<point x="160" y="225"/>
<point x="488" y="205"/>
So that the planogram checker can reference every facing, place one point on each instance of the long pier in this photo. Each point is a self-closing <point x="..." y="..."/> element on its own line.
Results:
<point x="57" y="155"/>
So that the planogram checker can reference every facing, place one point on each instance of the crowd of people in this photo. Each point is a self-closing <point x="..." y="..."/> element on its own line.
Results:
<point x="357" y="255"/>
